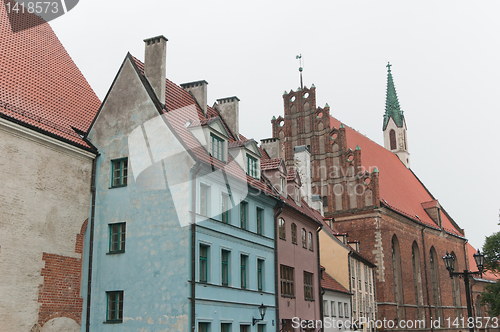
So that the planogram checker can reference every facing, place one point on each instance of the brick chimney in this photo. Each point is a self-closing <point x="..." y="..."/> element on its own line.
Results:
<point x="198" y="90"/>
<point x="155" y="65"/>
<point x="230" y="112"/>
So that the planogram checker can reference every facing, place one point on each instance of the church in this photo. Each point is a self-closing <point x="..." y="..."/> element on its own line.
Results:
<point x="370" y="192"/>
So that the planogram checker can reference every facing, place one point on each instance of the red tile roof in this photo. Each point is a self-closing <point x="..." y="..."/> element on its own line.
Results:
<point x="178" y="102"/>
<point x="40" y="85"/>
<point x="400" y="189"/>
<point x="327" y="282"/>
<point x="269" y="164"/>
<point x="473" y="267"/>
<point x="291" y="175"/>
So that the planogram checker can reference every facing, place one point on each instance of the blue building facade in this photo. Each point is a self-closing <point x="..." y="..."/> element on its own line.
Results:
<point x="174" y="201"/>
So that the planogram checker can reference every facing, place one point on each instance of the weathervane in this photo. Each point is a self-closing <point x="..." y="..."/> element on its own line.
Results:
<point x="300" y="69"/>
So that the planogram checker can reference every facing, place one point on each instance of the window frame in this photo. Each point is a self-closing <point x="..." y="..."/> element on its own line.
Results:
<point x="225" y="211"/>
<point x="252" y="167"/>
<point x="260" y="274"/>
<point x="346" y="310"/>
<point x="293" y="229"/>
<point x="310" y="241"/>
<point x="341" y="309"/>
<point x="203" y="268"/>
<point x="121" y="234"/>
<point x="243" y="271"/>
<point x="244" y="215"/>
<point x="308" y="286"/>
<point x="123" y="179"/>
<point x="117" y="308"/>
<point x="282" y="229"/>
<point x="287" y="281"/>
<point x="225" y="266"/>
<point x="216" y="141"/>
<point x="333" y="308"/>
<point x="304" y="238"/>
<point x="260" y="221"/>
<point x="204" y="209"/>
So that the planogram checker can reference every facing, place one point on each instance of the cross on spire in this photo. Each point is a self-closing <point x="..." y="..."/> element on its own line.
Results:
<point x="299" y="57"/>
<point x="389" y="66"/>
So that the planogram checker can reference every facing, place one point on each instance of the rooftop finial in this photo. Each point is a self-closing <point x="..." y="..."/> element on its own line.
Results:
<point x="300" y="69"/>
<point x="389" y="66"/>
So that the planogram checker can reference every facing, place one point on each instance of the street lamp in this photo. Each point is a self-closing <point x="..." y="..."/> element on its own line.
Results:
<point x="262" y="312"/>
<point x="448" y="262"/>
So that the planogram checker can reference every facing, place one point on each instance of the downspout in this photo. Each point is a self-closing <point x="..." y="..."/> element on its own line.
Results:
<point x="194" y="172"/>
<point x="91" y="243"/>
<point x="319" y="279"/>
<point x="427" y="280"/>
<point x="279" y="205"/>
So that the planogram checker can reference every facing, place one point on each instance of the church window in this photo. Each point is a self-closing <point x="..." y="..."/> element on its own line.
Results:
<point x="392" y="139"/>
<point x="398" y="280"/>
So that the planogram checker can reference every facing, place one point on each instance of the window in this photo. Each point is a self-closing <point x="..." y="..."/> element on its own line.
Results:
<point x="398" y="279"/>
<point x="244" y="263"/>
<point x="333" y="309"/>
<point x="282" y="230"/>
<point x="294" y="233"/>
<point x="436" y="292"/>
<point x="225" y="218"/>
<point x="325" y="201"/>
<point x="392" y="139"/>
<point x="287" y="288"/>
<point x="282" y="184"/>
<point x="325" y="307"/>
<point x="203" y="327"/>
<point x="252" y="167"/>
<point x="260" y="274"/>
<point x="341" y="309"/>
<point x="244" y="328"/>
<point x="304" y="240"/>
<point x="225" y="327"/>
<point x="203" y="263"/>
<point x="297" y="195"/>
<point x="261" y="328"/>
<point x="260" y="225"/>
<point x="311" y="241"/>
<point x="243" y="215"/>
<point x="346" y="310"/>
<point x="115" y="306"/>
<point x="217" y="145"/>
<point x="117" y="238"/>
<point x="119" y="171"/>
<point x="308" y="286"/>
<point x="204" y="199"/>
<point x="225" y="254"/>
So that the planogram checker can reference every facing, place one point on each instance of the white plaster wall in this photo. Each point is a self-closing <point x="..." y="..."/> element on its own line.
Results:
<point x="44" y="200"/>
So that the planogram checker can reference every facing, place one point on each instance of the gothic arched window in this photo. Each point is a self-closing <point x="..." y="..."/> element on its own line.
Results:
<point x="392" y="139"/>
<point x="436" y="292"/>
<point x="398" y="279"/>
<point x="417" y="277"/>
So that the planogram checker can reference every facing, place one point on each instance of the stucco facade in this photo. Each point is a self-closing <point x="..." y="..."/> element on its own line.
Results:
<point x="45" y="196"/>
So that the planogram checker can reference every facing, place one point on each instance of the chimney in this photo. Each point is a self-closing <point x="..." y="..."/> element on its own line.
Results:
<point x="272" y="147"/>
<point x="155" y="65"/>
<point x="198" y="90"/>
<point x="230" y="112"/>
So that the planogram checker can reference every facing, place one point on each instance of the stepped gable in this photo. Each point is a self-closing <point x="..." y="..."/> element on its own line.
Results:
<point x="40" y="85"/>
<point x="327" y="282"/>
<point x="178" y="98"/>
<point x="400" y="189"/>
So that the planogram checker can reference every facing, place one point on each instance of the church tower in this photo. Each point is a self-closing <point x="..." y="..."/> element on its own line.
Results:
<point x="394" y="126"/>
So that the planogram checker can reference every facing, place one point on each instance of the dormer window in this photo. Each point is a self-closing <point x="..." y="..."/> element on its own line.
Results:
<point x="252" y="166"/>
<point x="217" y="146"/>
<point x="297" y="195"/>
<point x="282" y="184"/>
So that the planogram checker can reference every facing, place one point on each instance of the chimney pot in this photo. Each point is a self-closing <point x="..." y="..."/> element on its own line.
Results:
<point x="198" y="90"/>
<point x="230" y="112"/>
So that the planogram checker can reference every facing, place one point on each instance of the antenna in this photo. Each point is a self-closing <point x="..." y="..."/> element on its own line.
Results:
<point x="300" y="69"/>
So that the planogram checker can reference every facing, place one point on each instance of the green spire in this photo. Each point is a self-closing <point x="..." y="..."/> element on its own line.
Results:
<point x="358" y="148"/>
<point x="342" y="126"/>
<point x="392" y="107"/>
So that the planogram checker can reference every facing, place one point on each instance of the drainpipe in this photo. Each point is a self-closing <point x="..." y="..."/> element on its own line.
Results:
<point x="426" y="280"/>
<point x="279" y="205"/>
<point x="194" y="172"/>
<point x="319" y="279"/>
<point x="91" y="243"/>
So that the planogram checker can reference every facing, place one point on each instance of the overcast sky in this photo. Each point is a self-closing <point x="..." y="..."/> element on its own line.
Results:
<point x="445" y="57"/>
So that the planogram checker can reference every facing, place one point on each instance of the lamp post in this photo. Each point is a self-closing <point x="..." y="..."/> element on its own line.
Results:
<point x="262" y="312"/>
<point x="466" y="275"/>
